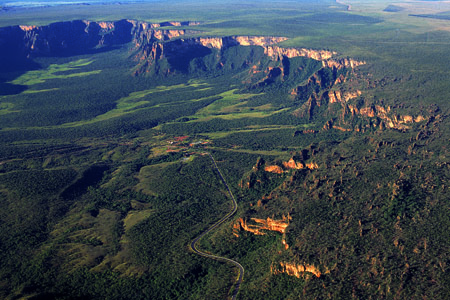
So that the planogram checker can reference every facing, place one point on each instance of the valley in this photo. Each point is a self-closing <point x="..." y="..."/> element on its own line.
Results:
<point x="125" y="136"/>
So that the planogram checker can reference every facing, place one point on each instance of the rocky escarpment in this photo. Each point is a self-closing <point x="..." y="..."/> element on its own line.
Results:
<point x="81" y="37"/>
<point x="162" y="49"/>
<point x="292" y="164"/>
<point x="258" y="225"/>
<point x="296" y="269"/>
<point x="151" y="43"/>
<point x="150" y="53"/>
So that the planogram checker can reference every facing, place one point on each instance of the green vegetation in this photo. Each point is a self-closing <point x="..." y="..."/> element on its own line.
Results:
<point x="104" y="179"/>
<point x="41" y="76"/>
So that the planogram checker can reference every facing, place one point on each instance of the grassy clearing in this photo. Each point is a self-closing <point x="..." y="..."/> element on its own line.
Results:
<point x="228" y="99"/>
<point x="6" y="108"/>
<point x="134" y="217"/>
<point x="240" y="115"/>
<point x="231" y="105"/>
<point x="39" y="91"/>
<point x="221" y="134"/>
<point x="133" y="103"/>
<point x="41" y="76"/>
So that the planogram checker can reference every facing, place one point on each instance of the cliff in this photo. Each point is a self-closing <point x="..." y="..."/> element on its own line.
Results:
<point x="277" y="52"/>
<point x="160" y="49"/>
<point x="261" y="224"/>
<point x="291" y="164"/>
<point x="151" y="42"/>
<point x="297" y="270"/>
<point x="342" y="63"/>
<point x="382" y="117"/>
<point x="82" y="36"/>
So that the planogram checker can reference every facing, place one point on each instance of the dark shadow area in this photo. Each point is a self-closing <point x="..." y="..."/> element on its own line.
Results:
<point x="179" y="55"/>
<point x="393" y="8"/>
<point x="7" y="89"/>
<point x="432" y="16"/>
<point x="18" y="46"/>
<point x="90" y="177"/>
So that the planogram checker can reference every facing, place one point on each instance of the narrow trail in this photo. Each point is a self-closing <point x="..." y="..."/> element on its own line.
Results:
<point x="193" y="244"/>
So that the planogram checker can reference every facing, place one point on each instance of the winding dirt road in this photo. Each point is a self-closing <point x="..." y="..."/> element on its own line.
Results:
<point x="193" y="244"/>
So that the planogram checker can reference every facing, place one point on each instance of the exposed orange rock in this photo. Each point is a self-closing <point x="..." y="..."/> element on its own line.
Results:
<point x="258" y="40"/>
<point x="274" y="169"/>
<point x="419" y="119"/>
<point x="406" y="119"/>
<point x="292" y="164"/>
<point x="334" y="96"/>
<point x="351" y="95"/>
<point x="307" y="131"/>
<point x="106" y="25"/>
<point x="342" y="63"/>
<point x="273" y="225"/>
<point x="296" y="270"/>
<point x="312" y="165"/>
<point x="211" y="42"/>
<point x="391" y="121"/>
<point x="173" y="23"/>
<point x="286" y="246"/>
<point x="168" y="34"/>
<point x="145" y="25"/>
<point x="27" y="28"/>
<point x="337" y="96"/>
<point x="220" y="42"/>
<point x="341" y="128"/>
<point x="262" y="224"/>
<point x="279" y="52"/>
<point x="367" y="111"/>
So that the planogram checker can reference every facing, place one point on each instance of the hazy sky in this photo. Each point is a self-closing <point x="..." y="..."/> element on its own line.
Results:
<point x="12" y="3"/>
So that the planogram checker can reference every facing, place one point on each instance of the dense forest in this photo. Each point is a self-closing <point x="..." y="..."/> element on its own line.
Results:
<point x="332" y="138"/>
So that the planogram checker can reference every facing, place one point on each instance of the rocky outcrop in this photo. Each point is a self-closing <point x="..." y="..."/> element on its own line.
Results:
<point x="339" y="96"/>
<point x="274" y="169"/>
<point x="291" y="164"/>
<point x="342" y="63"/>
<point x="383" y="117"/>
<point x="261" y="224"/>
<point x="277" y="52"/>
<point x="296" y="269"/>
<point x="153" y="42"/>
<point x="82" y="36"/>
<point x="229" y="41"/>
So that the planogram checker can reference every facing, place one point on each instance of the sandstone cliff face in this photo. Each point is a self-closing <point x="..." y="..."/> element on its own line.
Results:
<point x="229" y="41"/>
<point x="151" y="41"/>
<point x="294" y="269"/>
<point x="342" y="63"/>
<point x="277" y="52"/>
<point x="383" y="117"/>
<point x="291" y="164"/>
<point x="81" y="36"/>
<point x="261" y="224"/>
<point x="274" y="169"/>
<point x="339" y="96"/>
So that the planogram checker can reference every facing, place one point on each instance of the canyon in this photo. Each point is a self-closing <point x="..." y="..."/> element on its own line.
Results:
<point x="150" y="41"/>
<point x="168" y="48"/>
